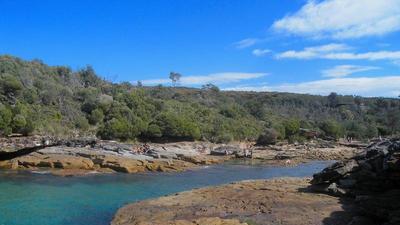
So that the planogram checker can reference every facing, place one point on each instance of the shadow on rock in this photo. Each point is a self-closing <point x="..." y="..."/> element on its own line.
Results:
<point x="368" y="185"/>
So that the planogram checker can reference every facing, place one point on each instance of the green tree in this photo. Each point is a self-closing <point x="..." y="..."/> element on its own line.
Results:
<point x="331" y="129"/>
<point x="333" y="99"/>
<point x="175" y="77"/>
<point x="10" y="85"/>
<point x="19" y="123"/>
<point x="154" y="131"/>
<point x="5" y="120"/>
<point x="96" y="116"/>
<point x="292" y="127"/>
<point x="81" y="123"/>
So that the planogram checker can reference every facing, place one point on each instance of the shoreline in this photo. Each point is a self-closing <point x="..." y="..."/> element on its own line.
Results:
<point x="79" y="158"/>
<point x="360" y="190"/>
<point x="248" y="202"/>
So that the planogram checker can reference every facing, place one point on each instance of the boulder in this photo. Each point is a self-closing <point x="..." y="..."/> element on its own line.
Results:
<point x="372" y="178"/>
<point x="225" y="150"/>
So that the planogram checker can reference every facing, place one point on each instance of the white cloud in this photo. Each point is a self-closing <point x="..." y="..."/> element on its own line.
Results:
<point x="337" y="52"/>
<point x="341" y="19"/>
<point x="245" y="43"/>
<point x="388" y="86"/>
<point x="215" y="78"/>
<point x="345" y="70"/>
<point x="260" y="52"/>
<point x="379" y="55"/>
<point x="313" y="52"/>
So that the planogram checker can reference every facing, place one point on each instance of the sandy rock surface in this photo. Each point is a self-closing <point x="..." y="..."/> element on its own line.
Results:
<point x="265" y="202"/>
<point x="111" y="156"/>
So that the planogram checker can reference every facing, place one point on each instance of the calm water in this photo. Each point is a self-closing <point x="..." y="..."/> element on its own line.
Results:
<point x="39" y="199"/>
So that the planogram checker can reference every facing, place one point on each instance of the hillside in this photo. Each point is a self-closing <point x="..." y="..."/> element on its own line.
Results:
<point x="54" y="100"/>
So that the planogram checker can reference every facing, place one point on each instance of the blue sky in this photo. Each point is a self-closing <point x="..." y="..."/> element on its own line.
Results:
<point x="347" y="46"/>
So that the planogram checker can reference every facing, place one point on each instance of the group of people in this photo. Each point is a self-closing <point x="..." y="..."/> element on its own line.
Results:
<point x="141" y="149"/>
<point x="248" y="151"/>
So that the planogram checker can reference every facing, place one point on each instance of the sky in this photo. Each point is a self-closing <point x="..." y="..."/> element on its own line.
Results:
<point x="302" y="46"/>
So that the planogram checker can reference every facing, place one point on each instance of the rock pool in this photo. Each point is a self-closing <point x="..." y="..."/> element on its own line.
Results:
<point x="32" y="199"/>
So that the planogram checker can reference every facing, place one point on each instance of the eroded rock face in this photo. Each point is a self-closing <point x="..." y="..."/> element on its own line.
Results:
<point x="84" y="159"/>
<point x="372" y="178"/>
<point x="263" y="202"/>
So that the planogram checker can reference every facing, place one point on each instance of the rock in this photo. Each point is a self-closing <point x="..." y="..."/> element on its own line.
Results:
<point x="371" y="178"/>
<point x="225" y="150"/>
<point x="267" y="202"/>
<point x="335" y="172"/>
<point x="347" y="183"/>
<point x="163" y="154"/>
<point x="54" y="161"/>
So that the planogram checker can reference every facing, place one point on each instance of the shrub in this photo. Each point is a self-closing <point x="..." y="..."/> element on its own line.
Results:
<point x="268" y="137"/>
<point x="96" y="116"/>
<point x="81" y="123"/>
<point x="292" y="127"/>
<point x="331" y="129"/>
<point x="223" y="138"/>
<point x="19" y="122"/>
<point x="177" y="127"/>
<point x="5" y="120"/>
<point x="154" y="131"/>
<point x="11" y="85"/>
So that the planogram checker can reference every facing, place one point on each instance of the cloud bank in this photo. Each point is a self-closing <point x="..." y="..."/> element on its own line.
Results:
<point x="337" y="52"/>
<point x="388" y="86"/>
<point x="342" y="19"/>
<point x="345" y="70"/>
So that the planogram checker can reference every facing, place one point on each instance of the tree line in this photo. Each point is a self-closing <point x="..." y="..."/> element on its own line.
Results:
<point x="54" y="100"/>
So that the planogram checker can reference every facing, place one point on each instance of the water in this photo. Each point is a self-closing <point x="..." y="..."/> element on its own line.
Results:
<point x="32" y="199"/>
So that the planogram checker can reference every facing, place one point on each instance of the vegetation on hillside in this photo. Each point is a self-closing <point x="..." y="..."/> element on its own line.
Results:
<point x="54" y="100"/>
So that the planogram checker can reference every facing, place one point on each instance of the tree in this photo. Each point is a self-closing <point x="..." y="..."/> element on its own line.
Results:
<point x="154" y="131"/>
<point x="88" y="77"/>
<point x="210" y="87"/>
<point x="81" y="123"/>
<point x="333" y="100"/>
<point x="175" y="77"/>
<point x="292" y="127"/>
<point x="10" y="85"/>
<point x="393" y="120"/>
<point x="5" y="120"/>
<point x="96" y="116"/>
<point x="177" y="126"/>
<point x="19" y="122"/>
<point x="331" y="128"/>
<point x="122" y="128"/>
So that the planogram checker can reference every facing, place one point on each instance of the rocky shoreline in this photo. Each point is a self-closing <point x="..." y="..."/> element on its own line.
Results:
<point x="286" y="201"/>
<point x="363" y="190"/>
<point x="83" y="156"/>
<point x="372" y="179"/>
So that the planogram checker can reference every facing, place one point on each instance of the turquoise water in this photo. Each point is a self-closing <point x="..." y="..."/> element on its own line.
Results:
<point x="42" y="199"/>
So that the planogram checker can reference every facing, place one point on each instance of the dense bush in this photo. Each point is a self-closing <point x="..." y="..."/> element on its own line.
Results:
<point x="55" y="100"/>
<point x="331" y="129"/>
